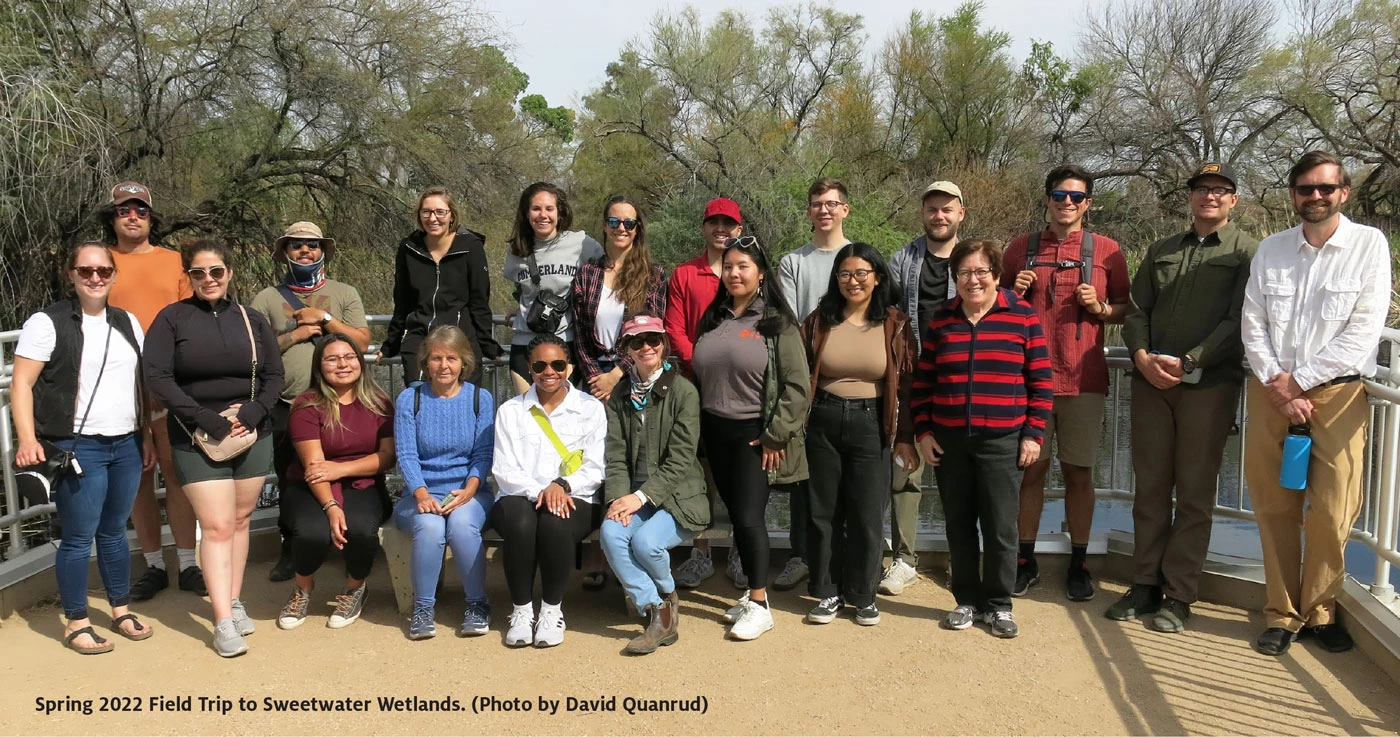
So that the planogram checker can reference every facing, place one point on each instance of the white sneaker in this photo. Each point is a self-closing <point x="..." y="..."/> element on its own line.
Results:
<point x="792" y="574"/>
<point x="549" y="631"/>
<point x="522" y="627"/>
<point x="754" y="621"/>
<point x="898" y="576"/>
<point x="731" y="615"/>
<point x="736" y="570"/>
<point x="695" y="569"/>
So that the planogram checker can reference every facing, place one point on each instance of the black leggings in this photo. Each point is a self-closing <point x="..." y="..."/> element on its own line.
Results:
<point x="743" y="487"/>
<point x="531" y="537"/>
<point x="311" y="533"/>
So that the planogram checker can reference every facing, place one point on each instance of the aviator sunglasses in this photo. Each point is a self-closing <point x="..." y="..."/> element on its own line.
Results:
<point x="558" y="365"/>
<point x="628" y="224"/>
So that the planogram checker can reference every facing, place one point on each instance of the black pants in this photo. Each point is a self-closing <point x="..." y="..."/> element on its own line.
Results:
<point x="743" y="487"/>
<point x="980" y="485"/>
<point x="533" y="538"/>
<point x="849" y="491"/>
<point x="283" y="454"/>
<point x="365" y="510"/>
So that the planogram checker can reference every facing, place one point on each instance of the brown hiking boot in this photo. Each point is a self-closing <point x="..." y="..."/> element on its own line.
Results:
<point x="661" y="629"/>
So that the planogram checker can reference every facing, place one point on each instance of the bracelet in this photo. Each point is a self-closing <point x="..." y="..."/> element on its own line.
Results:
<point x="327" y="506"/>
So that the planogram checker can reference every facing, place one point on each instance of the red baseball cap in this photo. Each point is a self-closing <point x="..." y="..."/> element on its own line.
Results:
<point x="642" y="324"/>
<point x="723" y="206"/>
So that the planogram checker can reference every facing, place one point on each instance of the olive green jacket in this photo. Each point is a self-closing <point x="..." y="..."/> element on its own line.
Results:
<point x="671" y="421"/>
<point x="787" y="393"/>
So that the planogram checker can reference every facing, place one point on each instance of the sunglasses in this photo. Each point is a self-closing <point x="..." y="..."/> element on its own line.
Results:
<point x="1059" y="195"/>
<point x="102" y="272"/>
<point x="743" y="243"/>
<point x="1307" y="190"/>
<point x="213" y="272"/>
<point x="635" y="342"/>
<point x="141" y="211"/>
<point x="299" y="243"/>
<point x="629" y="224"/>
<point x="558" y="365"/>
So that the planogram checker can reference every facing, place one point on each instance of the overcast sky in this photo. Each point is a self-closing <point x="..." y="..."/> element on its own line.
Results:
<point x="565" y="45"/>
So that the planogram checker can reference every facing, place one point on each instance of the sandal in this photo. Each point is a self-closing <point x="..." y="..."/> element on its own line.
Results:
<point x="595" y="580"/>
<point x="142" y="631"/>
<point x="100" y="646"/>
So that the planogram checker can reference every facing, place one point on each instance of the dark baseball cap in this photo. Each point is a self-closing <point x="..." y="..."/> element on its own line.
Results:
<point x="131" y="191"/>
<point x="1214" y="169"/>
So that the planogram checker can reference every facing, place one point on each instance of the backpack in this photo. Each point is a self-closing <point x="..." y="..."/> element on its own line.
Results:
<point x="1086" y="255"/>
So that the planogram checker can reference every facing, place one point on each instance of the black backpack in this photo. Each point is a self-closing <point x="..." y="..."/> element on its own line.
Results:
<point x="1086" y="256"/>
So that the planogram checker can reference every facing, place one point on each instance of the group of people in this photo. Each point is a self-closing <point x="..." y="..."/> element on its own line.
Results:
<point x="831" y="375"/>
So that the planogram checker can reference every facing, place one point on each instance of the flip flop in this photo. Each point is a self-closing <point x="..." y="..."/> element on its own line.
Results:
<point x="595" y="581"/>
<point x="101" y="646"/>
<point x="142" y="631"/>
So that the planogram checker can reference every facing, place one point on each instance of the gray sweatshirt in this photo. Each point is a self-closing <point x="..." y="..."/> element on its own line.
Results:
<point x="559" y="260"/>
<point x="806" y="273"/>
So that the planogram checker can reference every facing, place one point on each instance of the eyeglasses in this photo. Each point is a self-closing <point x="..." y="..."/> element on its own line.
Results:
<point x="828" y="205"/>
<point x="1307" y="190"/>
<point x="969" y="274"/>
<point x="635" y="342"/>
<point x="628" y="224"/>
<point x="103" y="272"/>
<point x="859" y="275"/>
<point x="342" y="358"/>
<point x="213" y="272"/>
<point x="1217" y="191"/>
<point x="1059" y="195"/>
<point x="743" y="243"/>
<point x="140" y="211"/>
<point x="439" y="214"/>
<point x="558" y="365"/>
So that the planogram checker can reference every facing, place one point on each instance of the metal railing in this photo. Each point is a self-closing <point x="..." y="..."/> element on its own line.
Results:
<point x="1376" y="528"/>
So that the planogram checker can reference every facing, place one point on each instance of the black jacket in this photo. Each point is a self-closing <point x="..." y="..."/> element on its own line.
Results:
<point x="56" y="391"/>
<point x="454" y="291"/>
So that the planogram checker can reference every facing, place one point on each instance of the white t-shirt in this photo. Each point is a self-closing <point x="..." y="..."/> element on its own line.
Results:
<point x="608" y="320"/>
<point x="114" y="410"/>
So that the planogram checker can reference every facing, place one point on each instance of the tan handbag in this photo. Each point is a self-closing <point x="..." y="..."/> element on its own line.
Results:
<point x="230" y="447"/>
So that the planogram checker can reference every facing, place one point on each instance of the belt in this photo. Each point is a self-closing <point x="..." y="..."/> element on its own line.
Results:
<point x="826" y="397"/>
<point x="1342" y="380"/>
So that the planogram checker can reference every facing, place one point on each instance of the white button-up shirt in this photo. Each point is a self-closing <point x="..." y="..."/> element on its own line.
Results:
<point x="1317" y="313"/>
<point x="525" y="459"/>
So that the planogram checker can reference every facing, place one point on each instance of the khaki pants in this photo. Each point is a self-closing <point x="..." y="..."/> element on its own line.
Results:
<point x="1179" y="436"/>
<point x="1302" y="575"/>
<point x="905" y="497"/>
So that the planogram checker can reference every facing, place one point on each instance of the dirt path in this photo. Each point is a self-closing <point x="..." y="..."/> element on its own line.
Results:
<point x="1071" y="672"/>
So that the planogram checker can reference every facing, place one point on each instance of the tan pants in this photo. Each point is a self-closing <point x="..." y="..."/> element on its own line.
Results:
<point x="1303" y="575"/>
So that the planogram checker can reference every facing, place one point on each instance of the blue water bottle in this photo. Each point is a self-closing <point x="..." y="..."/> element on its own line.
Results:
<point x="1297" y="447"/>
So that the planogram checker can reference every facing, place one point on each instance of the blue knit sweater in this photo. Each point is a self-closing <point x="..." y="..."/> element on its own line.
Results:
<point x="446" y="443"/>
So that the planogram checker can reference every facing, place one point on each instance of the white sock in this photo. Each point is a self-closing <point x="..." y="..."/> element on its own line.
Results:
<point x="186" y="556"/>
<point x="527" y="608"/>
<point x="550" y="608"/>
<point x="155" y="560"/>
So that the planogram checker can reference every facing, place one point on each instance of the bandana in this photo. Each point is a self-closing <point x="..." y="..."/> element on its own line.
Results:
<point x="641" y="388"/>
<point x="306" y="277"/>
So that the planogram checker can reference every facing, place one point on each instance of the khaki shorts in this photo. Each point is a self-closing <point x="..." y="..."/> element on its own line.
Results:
<point x="1078" y="421"/>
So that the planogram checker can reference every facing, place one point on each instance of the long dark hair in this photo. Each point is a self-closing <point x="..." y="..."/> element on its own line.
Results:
<point x="832" y="305"/>
<point x="522" y="236"/>
<point x="106" y="214"/>
<point x="776" y="312"/>
<point x="635" y="276"/>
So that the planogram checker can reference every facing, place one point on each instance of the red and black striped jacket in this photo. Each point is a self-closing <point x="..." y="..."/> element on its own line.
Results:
<point x="992" y="378"/>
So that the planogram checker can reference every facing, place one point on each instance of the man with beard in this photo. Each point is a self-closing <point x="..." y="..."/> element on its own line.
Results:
<point x="305" y="306"/>
<point x="921" y="270"/>
<point x="1314" y="308"/>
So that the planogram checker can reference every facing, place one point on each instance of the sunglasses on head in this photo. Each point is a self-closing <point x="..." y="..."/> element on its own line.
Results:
<point x="635" y="342"/>
<point x="213" y="272"/>
<point x="103" y="272"/>
<point x="558" y="365"/>
<point x="1307" y="190"/>
<point x="626" y="224"/>
<point x="141" y="211"/>
<point x="1059" y="195"/>
<point x="743" y="243"/>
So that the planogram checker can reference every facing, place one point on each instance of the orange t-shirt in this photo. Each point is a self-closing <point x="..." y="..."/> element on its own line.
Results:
<point x="147" y="282"/>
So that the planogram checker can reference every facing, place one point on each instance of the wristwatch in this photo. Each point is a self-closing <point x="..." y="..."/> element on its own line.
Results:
<point x="1188" y="364"/>
<point x="563" y="484"/>
<point x="326" y="318"/>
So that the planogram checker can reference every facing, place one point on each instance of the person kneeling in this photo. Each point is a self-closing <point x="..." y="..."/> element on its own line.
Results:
<point x="343" y="433"/>
<point x="655" y="488"/>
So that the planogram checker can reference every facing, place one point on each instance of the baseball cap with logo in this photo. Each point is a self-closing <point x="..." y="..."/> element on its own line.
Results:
<point x="641" y="325"/>
<point x="131" y="191"/>
<point x="1214" y="169"/>
<point x="722" y="206"/>
<point x="943" y="187"/>
<point x="304" y="230"/>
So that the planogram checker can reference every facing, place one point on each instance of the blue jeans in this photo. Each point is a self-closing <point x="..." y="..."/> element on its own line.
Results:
<point x="96" y="507"/>
<point x="640" y="553"/>
<point x="461" y="529"/>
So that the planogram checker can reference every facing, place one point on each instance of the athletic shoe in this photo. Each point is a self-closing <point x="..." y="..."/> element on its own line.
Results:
<point x="549" y="631"/>
<point x="825" y="610"/>
<point x="754" y="621"/>
<point x="294" y="611"/>
<point x="1027" y="575"/>
<point x="731" y="615"/>
<point x="477" y="620"/>
<point x="192" y="579"/>
<point x="241" y="621"/>
<point x="695" y="569"/>
<point x="960" y="618"/>
<point x="792" y="574"/>
<point x="1139" y="600"/>
<point x="152" y="582"/>
<point x="1002" y="623"/>
<point x="1171" y="617"/>
<point x="868" y="616"/>
<point x="348" y="607"/>
<point x="227" y="641"/>
<point x="421" y="626"/>
<point x="1079" y="584"/>
<point x="735" y="569"/>
<point x="522" y="627"/>
<point x="897" y="578"/>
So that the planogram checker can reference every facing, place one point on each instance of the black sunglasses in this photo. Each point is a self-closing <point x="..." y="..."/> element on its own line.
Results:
<point x="635" y="342"/>
<point x="628" y="224"/>
<point x="1059" y="195"/>
<point x="558" y="365"/>
<point x="1307" y="190"/>
<point x="103" y="272"/>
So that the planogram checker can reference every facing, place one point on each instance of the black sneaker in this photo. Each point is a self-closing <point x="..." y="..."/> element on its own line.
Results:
<point x="192" y="579"/>
<point x="868" y="615"/>
<point x="825" y="610"/>
<point x="152" y="582"/>
<point x="1274" y="641"/>
<point x="1027" y="575"/>
<point x="283" y="570"/>
<point x="1079" y="584"/>
<point x="1332" y="637"/>
<point x="1141" y="599"/>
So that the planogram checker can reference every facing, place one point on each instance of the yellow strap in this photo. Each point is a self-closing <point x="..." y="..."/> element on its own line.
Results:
<point x="572" y="460"/>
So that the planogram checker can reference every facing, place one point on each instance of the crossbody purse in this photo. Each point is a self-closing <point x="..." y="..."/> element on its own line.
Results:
<point x="230" y="447"/>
